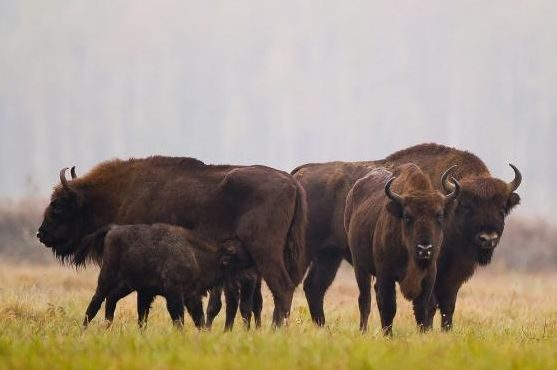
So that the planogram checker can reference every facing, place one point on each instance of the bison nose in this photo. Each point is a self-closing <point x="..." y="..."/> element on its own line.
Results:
<point x="487" y="239"/>
<point x="424" y="251"/>
<point x="40" y="233"/>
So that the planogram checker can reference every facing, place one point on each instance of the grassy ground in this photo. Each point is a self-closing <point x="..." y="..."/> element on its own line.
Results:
<point x="503" y="320"/>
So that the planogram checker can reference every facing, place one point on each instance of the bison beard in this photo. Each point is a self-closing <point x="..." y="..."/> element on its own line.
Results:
<point x="328" y="184"/>
<point x="263" y="208"/>
<point x="484" y="256"/>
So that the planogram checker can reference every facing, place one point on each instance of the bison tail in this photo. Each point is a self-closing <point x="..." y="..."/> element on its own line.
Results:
<point x="295" y="252"/>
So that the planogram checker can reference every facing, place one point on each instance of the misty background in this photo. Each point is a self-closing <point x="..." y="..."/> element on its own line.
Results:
<point x="280" y="83"/>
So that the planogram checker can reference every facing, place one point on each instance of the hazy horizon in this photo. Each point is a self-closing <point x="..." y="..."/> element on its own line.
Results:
<point x="276" y="83"/>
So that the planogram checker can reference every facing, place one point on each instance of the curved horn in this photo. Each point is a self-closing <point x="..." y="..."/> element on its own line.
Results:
<point x="72" y="171"/>
<point x="513" y="185"/>
<point x="392" y="195"/>
<point x="448" y="185"/>
<point x="63" y="178"/>
<point x="456" y="192"/>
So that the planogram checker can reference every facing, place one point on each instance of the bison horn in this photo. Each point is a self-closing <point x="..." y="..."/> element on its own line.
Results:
<point x="392" y="195"/>
<point x="63" y="179"/>
<point x="72" y="171"/>
<point x="456" y="192"/>
<point x="513" y="185"/>
<point x="448" y="185"/>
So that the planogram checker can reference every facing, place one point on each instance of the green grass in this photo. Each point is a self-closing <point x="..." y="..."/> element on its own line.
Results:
<point x="506" y="321"/>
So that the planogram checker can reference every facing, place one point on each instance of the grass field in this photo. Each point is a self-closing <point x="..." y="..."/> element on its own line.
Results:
<point x="503" y="320"/>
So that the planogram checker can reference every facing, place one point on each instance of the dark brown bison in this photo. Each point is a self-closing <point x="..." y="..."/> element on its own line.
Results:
<point x="326" y="186"/>
<point x="395" y="231"/>
<point x="158" y="259"/>
<point x="469" y="240"/>
<point x="261" y="207"/>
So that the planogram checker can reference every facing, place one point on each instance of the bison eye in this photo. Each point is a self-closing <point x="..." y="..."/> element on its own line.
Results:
<point x="466" y="208"/>
<point x="407" y="219"/>
<point x="440" y="218"/>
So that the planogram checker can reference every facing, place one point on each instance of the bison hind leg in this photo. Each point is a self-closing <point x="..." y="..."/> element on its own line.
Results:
<point x="320" y="276"/>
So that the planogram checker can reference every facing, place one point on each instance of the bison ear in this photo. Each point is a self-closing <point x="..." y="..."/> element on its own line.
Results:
<point x="394" y="208"/>
<point x="514" y="199"/>
<point x="77" y="199"/>
<point x="450" y="206"/>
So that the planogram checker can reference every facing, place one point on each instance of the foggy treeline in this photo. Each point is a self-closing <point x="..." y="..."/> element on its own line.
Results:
<point x="528" y="244"/>
<point x="276" y="82"/>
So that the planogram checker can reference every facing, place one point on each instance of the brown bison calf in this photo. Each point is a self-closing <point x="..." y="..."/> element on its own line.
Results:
<point x="396" y="236"/>
<point x="157" y="259"/>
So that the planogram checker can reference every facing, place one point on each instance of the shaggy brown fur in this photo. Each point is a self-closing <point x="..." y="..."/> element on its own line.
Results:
<point x="157" y="259"/>
<point x="261" y="207"/>
<point x="483" y="205"/>
<point x="395" y="239"/>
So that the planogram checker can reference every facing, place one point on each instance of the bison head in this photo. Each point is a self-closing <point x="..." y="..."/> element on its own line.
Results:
<point x="63" y="220"/>
<point x="482" y="207"/>
<point x="423" y="214"/>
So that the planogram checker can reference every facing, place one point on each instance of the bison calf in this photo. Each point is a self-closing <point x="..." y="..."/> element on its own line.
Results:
<point x="396" y="236"/>
<point x="157" y="259"/>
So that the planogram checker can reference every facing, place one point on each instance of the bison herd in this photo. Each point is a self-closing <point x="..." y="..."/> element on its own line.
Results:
<point x="424" y="217"/>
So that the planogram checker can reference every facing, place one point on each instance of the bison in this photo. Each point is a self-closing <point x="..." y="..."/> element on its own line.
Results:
<point x="397" y="237"/>
<point x="244" y="288"/>
<point x="470" y="238"/>
<point x="158" y="259"/>
<point x="263" y="208"/>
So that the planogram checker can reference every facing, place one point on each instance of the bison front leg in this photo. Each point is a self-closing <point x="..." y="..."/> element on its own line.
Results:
<point x="422" y="303"/>
<point x="363" y="278"/>
<point x="112" y="299"/>
<point x="106" y="282"/>
<point x="247" y="291"/>
<point x="257" y="303"/>
<point x="447" y="302"/>
<point x="195" y="309"/>
<point x="215" y="304"/>
<point x="144" y="301"/>
<point x="430" y="313"/>
<point x="175" y="306"/>
<point x="232" y="297"/>
<point x="386" y="302"/>
<point x="94" y="307"/>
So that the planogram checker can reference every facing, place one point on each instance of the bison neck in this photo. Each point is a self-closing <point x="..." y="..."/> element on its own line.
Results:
<point x="209" y="263"/>
<point x="458" y="260"/>
<point x="411" y="281"/>
<point x="392" y="257"/>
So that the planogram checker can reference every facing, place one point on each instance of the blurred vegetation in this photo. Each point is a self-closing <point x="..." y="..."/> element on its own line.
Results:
<point x="528" y="244"/>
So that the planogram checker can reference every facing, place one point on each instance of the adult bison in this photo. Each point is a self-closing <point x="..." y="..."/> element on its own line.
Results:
<point x="395" y="231"/>
<point x="261" y="207"/>
<point x="470" y="238"/>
